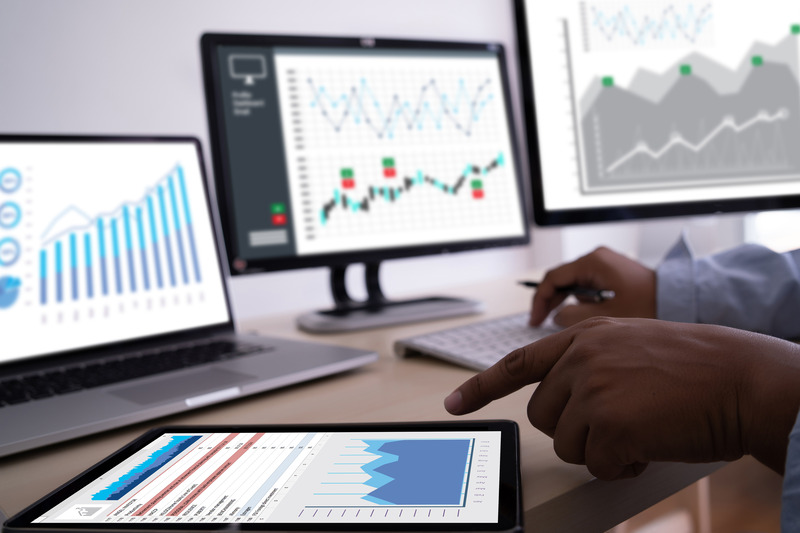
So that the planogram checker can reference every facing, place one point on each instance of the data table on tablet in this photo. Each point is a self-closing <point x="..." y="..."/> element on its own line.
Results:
<point x="299" y="477"/>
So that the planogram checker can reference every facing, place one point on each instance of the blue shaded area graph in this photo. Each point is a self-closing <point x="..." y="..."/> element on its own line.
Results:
<point x="139" y="246"/>
<point x="418" y="472"/>
<point x="130" y="480"/>
<point x="431" y="107"/>
<point x="646" y="24"/>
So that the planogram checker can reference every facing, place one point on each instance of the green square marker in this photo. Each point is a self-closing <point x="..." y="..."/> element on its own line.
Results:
<point x="278" y="208"/>
<point x="388" y="162"/>
<point x="796" y="29"/>
<point x="477" y="184"/>
<point x="758" y="61"/>
<point x="686" y="70"/>
<point x="608" y="81"/>
<point x="347" y="173"/>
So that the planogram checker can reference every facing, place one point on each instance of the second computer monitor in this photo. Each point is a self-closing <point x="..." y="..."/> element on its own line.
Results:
<point x="329" y="151"/>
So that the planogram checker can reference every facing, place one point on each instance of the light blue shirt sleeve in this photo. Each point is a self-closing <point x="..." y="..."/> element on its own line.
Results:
<point x="749" y="287"/>
<point x="790" y="502"/>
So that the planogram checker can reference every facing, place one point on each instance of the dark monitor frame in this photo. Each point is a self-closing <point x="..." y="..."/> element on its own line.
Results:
<point x="545" y="217"/>
<point x="209" y="43"/>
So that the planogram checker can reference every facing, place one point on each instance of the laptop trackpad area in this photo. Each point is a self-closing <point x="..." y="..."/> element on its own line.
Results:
<point x="184" y="386"/>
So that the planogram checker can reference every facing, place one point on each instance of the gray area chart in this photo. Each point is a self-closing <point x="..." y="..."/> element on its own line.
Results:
<point x="699" y="124"/>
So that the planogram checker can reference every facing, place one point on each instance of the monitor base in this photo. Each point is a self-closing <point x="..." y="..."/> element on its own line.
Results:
<point x="377" y="310"/>
<point x="389" y="313"/>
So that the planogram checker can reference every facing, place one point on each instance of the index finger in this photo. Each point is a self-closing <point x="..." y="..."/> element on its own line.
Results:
<point x="529" y="364"/>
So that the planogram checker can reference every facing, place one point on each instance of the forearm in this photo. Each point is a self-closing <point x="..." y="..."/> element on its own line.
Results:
<point x="770" y="401"/>
<point x="749" y="287"/>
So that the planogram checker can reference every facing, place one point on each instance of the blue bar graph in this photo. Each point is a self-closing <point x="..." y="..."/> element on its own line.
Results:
<point x="165" y="224"/>
<point x="43" y="277"/>
<point x="115" y="250"/>
<point x="142" y="251"/>
<point x="127" y="249"/>
<point x="154" y="239"/>
<point x="178" y="238"/>
<point x="87" y="249"/>
<point x="73" y="263"/>
<point x="59" y="281"/>
<point x="189" y="229"/>
<point x="126" y="219"/>
<point x="101" y="239"/>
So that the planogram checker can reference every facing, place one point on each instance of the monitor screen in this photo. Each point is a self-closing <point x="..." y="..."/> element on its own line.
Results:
<point x="103" y="240"/>
<point x="655" y="108"/>
<point x="331" y="151"/>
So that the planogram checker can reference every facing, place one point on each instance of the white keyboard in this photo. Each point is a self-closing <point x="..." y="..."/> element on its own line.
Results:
<point x="478" y="345"/>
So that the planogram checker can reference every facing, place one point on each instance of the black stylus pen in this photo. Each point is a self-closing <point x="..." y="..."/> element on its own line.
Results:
<point x="598" y="295"/>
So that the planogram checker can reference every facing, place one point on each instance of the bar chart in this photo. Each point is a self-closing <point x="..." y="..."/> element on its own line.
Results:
<point x="144" y="246"/>
<point x="101" y="242"/>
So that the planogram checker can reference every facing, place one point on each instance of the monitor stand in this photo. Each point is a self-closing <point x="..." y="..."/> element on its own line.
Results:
<point x="377" y="310"/>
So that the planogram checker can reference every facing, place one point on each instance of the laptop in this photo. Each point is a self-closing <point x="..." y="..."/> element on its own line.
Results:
<point x="113" y="304"/>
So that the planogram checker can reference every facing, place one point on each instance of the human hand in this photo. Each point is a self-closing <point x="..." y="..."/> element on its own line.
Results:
<point x="633" y="283"/>
<point x="616" y="394"/>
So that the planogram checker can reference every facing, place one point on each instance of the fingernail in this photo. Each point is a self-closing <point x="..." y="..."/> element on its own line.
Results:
<point x="453" y="402"/>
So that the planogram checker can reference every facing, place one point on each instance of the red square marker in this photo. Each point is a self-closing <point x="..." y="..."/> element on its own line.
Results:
<point x="348" y="184"/>
<point x="389" y="172"/>
<point x="279" y="220"/>
<point x="477" y="194"/>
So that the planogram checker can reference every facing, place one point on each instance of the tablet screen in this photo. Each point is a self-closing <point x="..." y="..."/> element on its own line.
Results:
<point x="386" y="477"/>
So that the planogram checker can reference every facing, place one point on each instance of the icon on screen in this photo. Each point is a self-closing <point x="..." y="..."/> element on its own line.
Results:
<point x="247" y="67"/>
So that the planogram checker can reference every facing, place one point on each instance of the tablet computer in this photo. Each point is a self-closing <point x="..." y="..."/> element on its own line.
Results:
<point x="431" y="476"/>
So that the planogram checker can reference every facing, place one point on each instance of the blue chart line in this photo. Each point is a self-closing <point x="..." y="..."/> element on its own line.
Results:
<point x="129" y="481"/>
<point x="126" y="230"/>
<point x="360" y="105"/>
<point x="667" y="24"/>
<point x="418" y="472"/>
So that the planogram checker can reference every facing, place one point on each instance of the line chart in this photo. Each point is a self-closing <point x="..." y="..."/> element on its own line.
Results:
<point x="619" y="25"/>
<point x="361" y="106"/>
<point x="389" y="194"/>
<point x="394" y="149"/>
<point x="728" y="123"/>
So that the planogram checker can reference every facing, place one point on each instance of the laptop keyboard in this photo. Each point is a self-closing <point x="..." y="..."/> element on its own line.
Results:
<point x="136" y="365"/>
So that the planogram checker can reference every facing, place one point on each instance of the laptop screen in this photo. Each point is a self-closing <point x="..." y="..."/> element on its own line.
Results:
<point x="102" y="241"/>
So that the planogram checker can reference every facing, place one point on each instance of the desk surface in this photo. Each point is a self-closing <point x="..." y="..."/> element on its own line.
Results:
<point x="557" y="496"/>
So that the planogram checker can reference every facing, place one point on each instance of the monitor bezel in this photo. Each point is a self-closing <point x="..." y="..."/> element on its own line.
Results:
<point x="556" y="217"/>
<point x="209" y="43"/>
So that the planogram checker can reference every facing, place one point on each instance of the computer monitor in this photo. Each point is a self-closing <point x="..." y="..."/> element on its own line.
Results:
<point x="645" y="109"/>
<point x="350" y="150"/>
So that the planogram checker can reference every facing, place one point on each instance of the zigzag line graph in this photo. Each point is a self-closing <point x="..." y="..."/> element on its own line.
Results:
<point x="361" y="106"/>
<point x="665" y="23"/>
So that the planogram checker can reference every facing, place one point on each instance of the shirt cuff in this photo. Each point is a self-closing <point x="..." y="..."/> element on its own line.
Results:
<point x="790" y="504"/>
<point x="675" y="293"/>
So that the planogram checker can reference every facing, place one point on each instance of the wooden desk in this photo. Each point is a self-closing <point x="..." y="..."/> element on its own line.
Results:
<point x="557" y="496"/>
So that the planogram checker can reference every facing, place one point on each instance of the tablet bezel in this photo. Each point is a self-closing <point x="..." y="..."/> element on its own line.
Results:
<point x="509" y="494"/>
